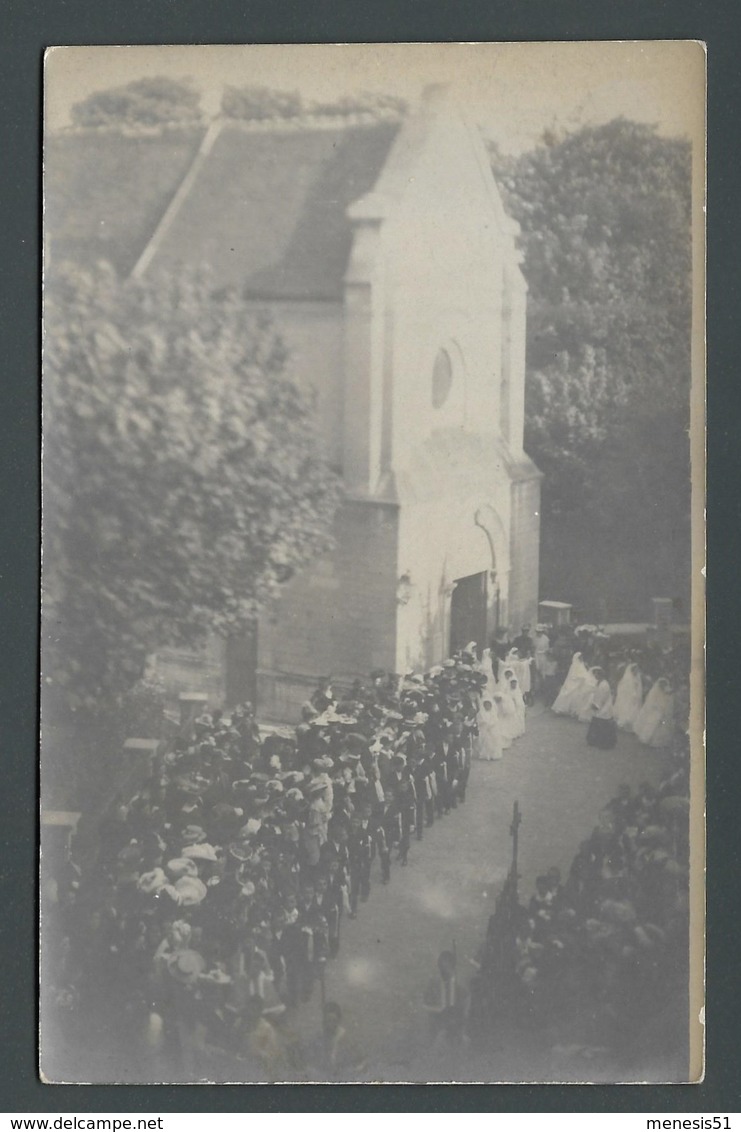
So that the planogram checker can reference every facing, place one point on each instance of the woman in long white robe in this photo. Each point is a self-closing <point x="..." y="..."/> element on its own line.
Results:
<point x="518" y="701"/>
<point x="489" y="742"/>
<point x="628" y="698"/>
<point x="572" y="685"/>
<point x="654" y="724"/>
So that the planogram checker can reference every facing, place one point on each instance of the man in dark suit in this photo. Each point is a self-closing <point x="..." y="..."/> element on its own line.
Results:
<point x="424" y="809"/>
<point x="328" y="903"/>
<point x="361" y="851"/>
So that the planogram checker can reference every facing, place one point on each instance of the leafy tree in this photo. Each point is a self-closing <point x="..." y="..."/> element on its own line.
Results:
<point x="364" y="102"/>
<point x="606" y="228"/>
<point x="183" y="483"/>
<point x="144" y="102"/>
<point x="260" y="102"/>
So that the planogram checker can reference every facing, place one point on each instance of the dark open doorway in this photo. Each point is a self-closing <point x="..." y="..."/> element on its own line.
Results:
<point x="468" y="612"/>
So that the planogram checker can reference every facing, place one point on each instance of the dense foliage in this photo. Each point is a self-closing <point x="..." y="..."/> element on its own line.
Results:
<point x="606" y="227"/>
<point x="182" y="479"/>
<point x="259" y="102"/>
<point x="145" y="102"/>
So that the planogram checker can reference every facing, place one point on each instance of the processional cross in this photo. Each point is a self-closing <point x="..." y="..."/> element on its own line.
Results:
<point x="514" y="834"/>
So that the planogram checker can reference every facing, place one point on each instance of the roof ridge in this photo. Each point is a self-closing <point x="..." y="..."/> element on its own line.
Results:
<point x="131" y="129"/>
<point x="318" y="121"/>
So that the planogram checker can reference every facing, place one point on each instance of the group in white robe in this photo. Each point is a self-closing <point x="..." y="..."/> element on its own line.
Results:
<point x="628" y="697"/>
<point x="654" y="723"/>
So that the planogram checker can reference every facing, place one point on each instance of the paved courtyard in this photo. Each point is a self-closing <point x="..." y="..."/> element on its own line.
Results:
<point x="446" y="893"/>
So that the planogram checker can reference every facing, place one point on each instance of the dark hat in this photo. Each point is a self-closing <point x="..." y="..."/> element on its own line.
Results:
<point x="292" y="778"/>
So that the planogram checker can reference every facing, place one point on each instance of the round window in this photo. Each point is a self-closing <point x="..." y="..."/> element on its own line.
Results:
<point x="442" y="379"/>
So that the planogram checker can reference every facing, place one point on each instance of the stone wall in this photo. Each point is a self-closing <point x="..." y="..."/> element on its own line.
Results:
<point x="339" y="618"/>
<point x="525" y="550"/>
<point x="312" y="333"/>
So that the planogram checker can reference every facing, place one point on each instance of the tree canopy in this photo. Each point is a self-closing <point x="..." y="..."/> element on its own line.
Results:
<point x="605" y="214"/>
<point x="145" y="102"/>
<point x="183" y="483"/>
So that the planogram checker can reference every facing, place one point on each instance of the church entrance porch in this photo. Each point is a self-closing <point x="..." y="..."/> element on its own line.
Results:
<point x="468" y="611"/>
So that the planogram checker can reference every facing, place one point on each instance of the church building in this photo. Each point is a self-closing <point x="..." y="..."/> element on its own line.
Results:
<point x="381" y="246"/>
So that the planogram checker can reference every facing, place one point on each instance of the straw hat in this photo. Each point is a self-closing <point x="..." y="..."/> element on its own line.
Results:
<point x="186" y="966"/>
<point x="201" y="852"/>
<point x="182" y="867"/>
<point x="191" y="890"/>
<point x="152" y="881"/>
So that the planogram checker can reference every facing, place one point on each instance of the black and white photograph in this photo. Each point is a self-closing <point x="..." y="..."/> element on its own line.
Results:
<point x="373" y="564"/>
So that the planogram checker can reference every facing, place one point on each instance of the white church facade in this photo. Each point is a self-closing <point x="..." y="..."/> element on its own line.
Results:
<point x="384" y="252"/>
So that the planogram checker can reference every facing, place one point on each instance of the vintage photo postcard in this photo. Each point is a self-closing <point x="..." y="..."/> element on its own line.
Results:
<point x="372" y="639"/>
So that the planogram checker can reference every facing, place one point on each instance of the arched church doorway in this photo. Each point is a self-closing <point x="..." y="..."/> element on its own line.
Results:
<point x="468" y="611"/>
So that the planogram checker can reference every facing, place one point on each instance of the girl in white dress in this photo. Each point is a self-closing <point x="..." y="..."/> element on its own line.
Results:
<point x="628" y="698"/>
<point x="507" y="712"/>
<point x="489" y="744"/>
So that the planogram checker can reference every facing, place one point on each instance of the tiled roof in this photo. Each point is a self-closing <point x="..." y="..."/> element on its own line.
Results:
<point x="266" y="209"/>
<point x="105" y="191"/>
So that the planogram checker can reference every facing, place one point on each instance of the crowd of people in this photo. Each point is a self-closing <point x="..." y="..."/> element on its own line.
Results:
<point x="650" y="691"/>
<point x="600" y="957"/>
<point x="219" y="890"/>
<point x="596" y="962"/>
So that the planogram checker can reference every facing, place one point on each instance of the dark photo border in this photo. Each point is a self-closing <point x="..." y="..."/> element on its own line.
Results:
<point x="28" y="28"/>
